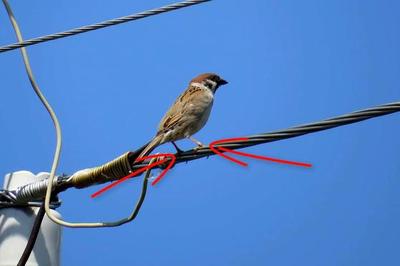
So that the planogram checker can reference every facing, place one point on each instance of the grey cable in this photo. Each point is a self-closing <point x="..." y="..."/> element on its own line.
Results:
<point x="38" y="92"/>
<point x="100" y="25"/>
<point x="287" y="133"/>
<point x="44" y="208"/>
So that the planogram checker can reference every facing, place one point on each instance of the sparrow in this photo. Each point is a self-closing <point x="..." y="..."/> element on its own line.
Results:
<point x="188" y="114"/>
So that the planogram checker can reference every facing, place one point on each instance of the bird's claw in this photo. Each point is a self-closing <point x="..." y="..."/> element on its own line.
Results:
<point x="178" y="150"/>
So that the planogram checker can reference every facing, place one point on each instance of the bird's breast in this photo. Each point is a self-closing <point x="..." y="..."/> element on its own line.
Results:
<point x="200" y="112"/>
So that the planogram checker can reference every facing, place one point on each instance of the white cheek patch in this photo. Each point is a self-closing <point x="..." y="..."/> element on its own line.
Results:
<point x="213" y="84"/>
<point x="199" y="85"/>
<point x="207" y="84"/>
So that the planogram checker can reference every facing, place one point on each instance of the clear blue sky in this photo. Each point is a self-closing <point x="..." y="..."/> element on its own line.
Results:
<point x="288" y="63"/>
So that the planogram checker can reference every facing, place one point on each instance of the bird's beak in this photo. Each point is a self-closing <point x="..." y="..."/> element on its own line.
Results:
<point x="222" y="82"/>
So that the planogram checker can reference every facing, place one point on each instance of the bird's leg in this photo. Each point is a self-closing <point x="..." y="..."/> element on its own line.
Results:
<point x="178" y="150"/>
<point x="198" y="143"/>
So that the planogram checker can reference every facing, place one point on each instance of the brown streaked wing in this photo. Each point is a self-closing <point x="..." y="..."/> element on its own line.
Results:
<point x="176" y="112"/>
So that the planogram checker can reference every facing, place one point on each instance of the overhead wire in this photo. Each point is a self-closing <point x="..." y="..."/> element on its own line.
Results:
<point x="126" y="165"/>
<point x="292" y="132"/>
<point x="101" y="25"/>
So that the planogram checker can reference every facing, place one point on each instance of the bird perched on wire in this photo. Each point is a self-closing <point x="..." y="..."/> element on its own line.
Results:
<point x="188" y="114"/>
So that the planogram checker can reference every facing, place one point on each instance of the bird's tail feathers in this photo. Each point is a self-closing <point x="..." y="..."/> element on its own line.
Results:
<point x="135" y="154"/>
<point x="149" y="147"/>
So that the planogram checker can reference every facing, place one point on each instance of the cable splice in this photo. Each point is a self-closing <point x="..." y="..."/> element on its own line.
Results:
<point x="110" y="171"/>
<point x="33" y="191"/>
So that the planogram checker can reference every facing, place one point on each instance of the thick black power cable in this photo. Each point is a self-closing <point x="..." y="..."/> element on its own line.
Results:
<point x="33" y="236"/>
<point x="105" y="173"/>
<point x="282" y="134"/>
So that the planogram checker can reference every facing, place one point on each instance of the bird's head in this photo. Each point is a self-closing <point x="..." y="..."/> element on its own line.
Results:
<point x="209" y="80"/>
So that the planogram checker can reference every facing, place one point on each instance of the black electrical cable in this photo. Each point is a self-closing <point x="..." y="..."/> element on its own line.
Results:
<point x="292" y="132"/>
<point x="33" y="236"/>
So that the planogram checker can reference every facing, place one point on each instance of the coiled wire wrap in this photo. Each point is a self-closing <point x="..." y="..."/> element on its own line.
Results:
<point x="107" y="172"/>
<point x="23" y="196"/>
<point x="33" y="191"/>
<point x="110" y="171"/>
